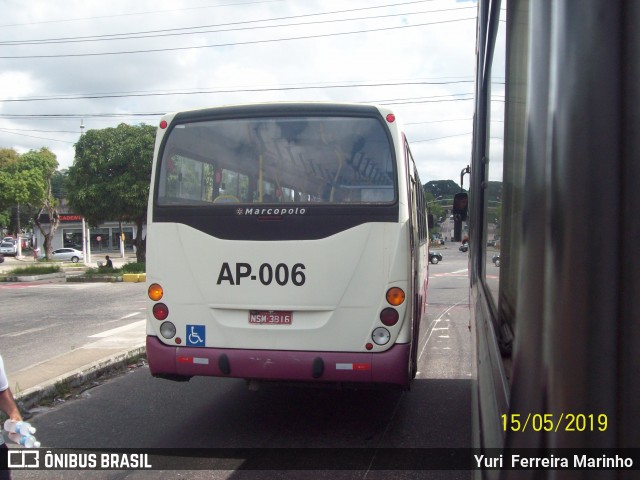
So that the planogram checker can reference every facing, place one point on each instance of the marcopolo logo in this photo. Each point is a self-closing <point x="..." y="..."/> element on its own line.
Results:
<point x="271" y="211"/>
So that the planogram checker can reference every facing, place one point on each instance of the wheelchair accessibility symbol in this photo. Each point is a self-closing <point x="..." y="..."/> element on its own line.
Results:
<point x="196" y="335"/>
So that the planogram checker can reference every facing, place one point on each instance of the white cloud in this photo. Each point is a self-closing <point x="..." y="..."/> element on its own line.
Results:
<point x="426" y="53"/>
<point x="16" y="84"/>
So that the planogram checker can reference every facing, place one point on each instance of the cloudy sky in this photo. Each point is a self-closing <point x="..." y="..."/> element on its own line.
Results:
<point x="69" y="63"/>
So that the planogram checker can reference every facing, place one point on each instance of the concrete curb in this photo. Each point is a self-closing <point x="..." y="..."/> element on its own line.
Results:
<point x="75" y="378"/>
<point x="96" y="278"/>
<point x="33" y="278"/>
<point x="134" y="277"/>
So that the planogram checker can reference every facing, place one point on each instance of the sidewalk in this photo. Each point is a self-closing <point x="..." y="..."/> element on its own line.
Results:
<point x="110" y="350"/>
<point x="106" y="351"/>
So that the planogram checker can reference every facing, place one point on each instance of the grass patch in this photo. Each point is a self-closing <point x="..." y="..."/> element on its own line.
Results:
<point x="35" y="270"/>
<point x="101" y="271"/>
<point x="75" y="387"/>
<point x="62" y="388"/>
<point x="133" y="267"/>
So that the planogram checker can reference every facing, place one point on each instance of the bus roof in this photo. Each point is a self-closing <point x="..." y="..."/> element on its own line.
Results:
<point x="281" y="108"/>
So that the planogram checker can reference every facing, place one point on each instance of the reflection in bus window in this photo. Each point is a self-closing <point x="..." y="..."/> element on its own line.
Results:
<point x="493" y="241"/>
<point x="335" y="160"/>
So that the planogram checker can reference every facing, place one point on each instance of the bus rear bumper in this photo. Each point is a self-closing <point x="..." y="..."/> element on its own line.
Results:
<point x="389" y="367"/>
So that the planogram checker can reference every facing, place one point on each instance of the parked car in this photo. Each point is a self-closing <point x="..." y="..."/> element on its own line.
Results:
<point x="464" y="247"/>
<point x="9" y="239"/>
<point x="435" y="257"/>
<point x="67" y="254"/>
<point x="496" y="260"/>
<point x="8" y="248"/>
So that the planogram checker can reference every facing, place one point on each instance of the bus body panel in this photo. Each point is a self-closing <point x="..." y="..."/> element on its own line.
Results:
<point x="279" y="365"/>
<point x="335" y="309"/>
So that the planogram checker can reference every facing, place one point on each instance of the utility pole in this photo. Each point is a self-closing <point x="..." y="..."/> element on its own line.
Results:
<point x="86" y="233"/>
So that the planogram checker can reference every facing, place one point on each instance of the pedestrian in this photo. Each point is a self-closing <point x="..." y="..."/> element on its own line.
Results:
<point x="8" y="406"/>
<point x="109" y="263"/>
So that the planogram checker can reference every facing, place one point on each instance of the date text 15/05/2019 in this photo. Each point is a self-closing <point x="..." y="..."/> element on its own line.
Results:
<point x="549" y="422"/>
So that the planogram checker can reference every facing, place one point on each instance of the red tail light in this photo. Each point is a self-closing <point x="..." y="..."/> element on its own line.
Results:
<point x="389" y="316"/>
<point x="160" y="311"/>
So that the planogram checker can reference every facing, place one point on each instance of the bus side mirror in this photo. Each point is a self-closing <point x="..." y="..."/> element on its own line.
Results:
<point x="461" y="205"/>
<point x="430" y="221"/>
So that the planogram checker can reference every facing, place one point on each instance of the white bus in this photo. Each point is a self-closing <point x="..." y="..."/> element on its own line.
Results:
<point x="286" y="242"/>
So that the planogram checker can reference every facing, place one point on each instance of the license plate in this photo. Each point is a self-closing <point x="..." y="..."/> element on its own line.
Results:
<point x="270" y="317"/>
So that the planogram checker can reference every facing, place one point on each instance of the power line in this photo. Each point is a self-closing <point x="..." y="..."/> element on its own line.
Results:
<point x="178" y="32"/>
<point x="230" y="44"/>
<point x="11" y="130"/>
<point x="398" y="101"/>
<point x="430" y="101"/>
<point x="440" y="138"/>
<point x="439" y="121"/>
<point x="80" y="115"/>
<point x="222" y="91"/>
<point x="33" y="136"/>
<point x="235" y="4"/>
<point x="448" y="80"/>
<point x="434" y="99"/>
<point x="32" y="130"/>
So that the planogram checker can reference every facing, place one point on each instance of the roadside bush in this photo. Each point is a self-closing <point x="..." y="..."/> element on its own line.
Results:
<point x="134" y="267"/>
<point x="101" y="270"/>
<point x="35" y="270"/>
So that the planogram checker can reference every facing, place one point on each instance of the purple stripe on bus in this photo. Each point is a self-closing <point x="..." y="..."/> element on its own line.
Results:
<point x="389" y="367"/>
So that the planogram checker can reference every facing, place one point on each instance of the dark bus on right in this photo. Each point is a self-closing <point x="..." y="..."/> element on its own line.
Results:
<point x="556" y="320"/>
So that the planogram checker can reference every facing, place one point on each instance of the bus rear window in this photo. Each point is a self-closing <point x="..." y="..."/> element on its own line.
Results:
<point x="333" y="160"/>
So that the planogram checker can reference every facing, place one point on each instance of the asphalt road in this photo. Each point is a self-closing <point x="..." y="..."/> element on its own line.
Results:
<point x="40" y="320"/>
<point x="135" y="410"/>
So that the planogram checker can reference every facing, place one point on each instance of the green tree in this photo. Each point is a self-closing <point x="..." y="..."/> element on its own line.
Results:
<point x="5" y="219"/>
<point x="442" y="188"/>
<point x="435" y="206"/>
<point x="59" y="184"/>
<point x="38" y="169"/>
<point x="110" y="176"/>
<point x="8" y="158"/>
<point x="26" y="181"/>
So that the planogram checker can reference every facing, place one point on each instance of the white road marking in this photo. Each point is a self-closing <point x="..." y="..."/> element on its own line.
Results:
<point x="115" y="331"/>
<point x="434" y="328"/>
<point x="30" y="330"/>
<point x="128" y="336"/>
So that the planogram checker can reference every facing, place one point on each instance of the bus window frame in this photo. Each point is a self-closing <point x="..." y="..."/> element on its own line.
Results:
<point x="240" y="113"/>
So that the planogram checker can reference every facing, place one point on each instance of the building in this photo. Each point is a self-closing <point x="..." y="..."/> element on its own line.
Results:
<point x="106" y="237"/>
